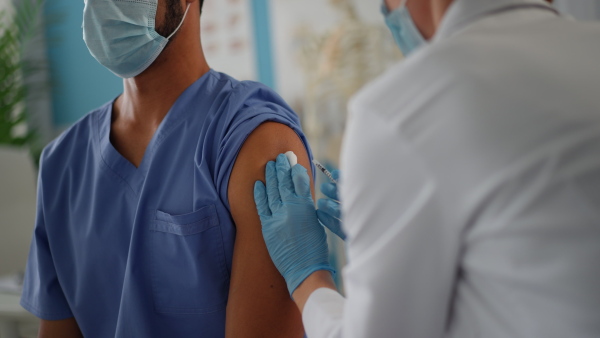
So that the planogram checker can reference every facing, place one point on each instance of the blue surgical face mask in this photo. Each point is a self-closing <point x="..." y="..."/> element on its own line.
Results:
<point x="121" y="34"/>
<point x="403" y="28"/>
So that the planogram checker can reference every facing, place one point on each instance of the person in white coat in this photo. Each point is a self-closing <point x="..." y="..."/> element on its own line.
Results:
<point x="470" y="186"/>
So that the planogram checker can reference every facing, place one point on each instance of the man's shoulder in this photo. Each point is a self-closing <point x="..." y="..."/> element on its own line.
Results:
<point x="73" y="139"/>
<point x="246" y="93"/>
<point x="238" y="103"/>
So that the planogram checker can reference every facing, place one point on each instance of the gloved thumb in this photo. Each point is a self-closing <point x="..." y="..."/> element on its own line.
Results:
<point x="328" y="220"/>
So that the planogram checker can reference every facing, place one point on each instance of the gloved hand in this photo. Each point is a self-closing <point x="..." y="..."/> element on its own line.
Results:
<point x="297" y="243"/>
<point x="329" y="212"/>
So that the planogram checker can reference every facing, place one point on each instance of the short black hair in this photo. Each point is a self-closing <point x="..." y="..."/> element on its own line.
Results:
<point x="201" y="4"/>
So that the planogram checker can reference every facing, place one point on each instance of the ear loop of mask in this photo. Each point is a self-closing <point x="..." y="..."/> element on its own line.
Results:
<point x="181" y="23"/>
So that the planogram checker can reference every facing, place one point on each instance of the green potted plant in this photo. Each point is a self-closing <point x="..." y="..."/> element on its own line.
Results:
<point x="16" y="27"/>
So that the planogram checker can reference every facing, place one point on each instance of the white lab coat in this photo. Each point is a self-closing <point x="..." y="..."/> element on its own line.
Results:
<point x="580" y="9"/>
<point x="471" y="185"/>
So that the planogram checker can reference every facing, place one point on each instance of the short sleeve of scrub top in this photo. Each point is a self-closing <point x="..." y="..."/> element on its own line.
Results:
<point x="43" y="296"/>
<point x="250" y="106"/>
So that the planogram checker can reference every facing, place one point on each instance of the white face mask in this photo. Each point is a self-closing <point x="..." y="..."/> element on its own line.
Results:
<point x="121" y="34"/>
<point x="403" y="28"/>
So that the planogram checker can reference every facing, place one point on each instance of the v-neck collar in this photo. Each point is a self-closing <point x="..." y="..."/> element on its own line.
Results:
<point x="122" y="167"/>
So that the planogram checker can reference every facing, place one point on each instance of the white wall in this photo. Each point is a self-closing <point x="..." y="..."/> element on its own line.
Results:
<point x="4" y="4"/>
<point x="227" y="38"/>
<point x="17" y="208"/>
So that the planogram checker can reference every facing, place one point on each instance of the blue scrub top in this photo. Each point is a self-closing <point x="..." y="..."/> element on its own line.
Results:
<point x="145" y="252"/>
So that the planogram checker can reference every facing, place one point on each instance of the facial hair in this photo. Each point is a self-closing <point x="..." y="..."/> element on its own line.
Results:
<point x="173" y="17"/>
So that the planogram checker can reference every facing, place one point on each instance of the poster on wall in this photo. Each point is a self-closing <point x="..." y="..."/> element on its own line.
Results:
<point x="227" y="37"/>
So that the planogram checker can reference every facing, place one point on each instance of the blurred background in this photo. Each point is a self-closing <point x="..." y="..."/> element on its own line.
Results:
<point x="315" y="53"/>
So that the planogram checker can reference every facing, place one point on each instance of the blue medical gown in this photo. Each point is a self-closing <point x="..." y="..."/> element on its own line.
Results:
<point x="145" y="252"/>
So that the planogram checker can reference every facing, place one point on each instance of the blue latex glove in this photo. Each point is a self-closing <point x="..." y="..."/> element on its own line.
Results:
<point x="297" y="243"/>
<point x="329" y="212"/>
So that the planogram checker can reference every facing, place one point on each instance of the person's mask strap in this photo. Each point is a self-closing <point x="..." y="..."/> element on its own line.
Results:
<point x="181" y="23"/>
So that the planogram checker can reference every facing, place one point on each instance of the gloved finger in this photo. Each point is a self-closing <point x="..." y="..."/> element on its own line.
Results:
<point x="335" y="174"/>
<point x="261" y="200"/>
<point x="331" y="223"/>
<point x="301" y="181"/>
<point x="284" y="176"/>
<point x="330" y="190"/>
<point x="330" y="206"/>
<point x="272" y="187"/>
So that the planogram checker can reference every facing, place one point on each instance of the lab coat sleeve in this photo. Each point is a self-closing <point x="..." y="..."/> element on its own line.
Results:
<point x="402" y="252"/>
<point x="323" y="313"/>
<point x="42" y="293"/>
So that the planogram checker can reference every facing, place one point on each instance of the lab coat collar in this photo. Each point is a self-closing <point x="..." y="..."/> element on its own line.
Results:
<point x="463" y="12"/>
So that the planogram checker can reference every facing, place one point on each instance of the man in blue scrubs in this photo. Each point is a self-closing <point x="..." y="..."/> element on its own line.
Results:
<point x="146" y="224"/>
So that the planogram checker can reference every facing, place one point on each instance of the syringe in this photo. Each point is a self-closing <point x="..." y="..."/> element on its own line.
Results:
<point x="293" y="159"/>
<point x="325" y="171"/>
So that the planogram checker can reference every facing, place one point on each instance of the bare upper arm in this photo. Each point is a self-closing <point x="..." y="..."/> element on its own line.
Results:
<point x="66" y="328"/>
<point x="259" y="303"/>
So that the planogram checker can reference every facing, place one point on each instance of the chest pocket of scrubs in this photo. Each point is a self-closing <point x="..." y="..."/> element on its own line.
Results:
<point x="189" y="273"/>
